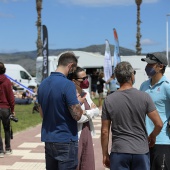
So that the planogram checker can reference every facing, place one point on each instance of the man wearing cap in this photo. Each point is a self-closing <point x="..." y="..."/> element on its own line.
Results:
<point x="158" y="87"/>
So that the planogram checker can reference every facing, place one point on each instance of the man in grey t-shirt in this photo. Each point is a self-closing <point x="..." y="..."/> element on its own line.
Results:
<point x="125" y="111"/>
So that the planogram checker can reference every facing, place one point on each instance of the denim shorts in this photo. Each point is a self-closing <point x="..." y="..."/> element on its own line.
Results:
<point x="61" y="156"/>
<point x="93" y="87"/>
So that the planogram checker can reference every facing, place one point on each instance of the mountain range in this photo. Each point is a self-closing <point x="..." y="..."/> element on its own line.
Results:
<point x="28" y="59"/>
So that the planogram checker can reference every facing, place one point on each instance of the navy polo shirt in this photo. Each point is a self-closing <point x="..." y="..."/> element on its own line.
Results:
<point x="55" y="94"/>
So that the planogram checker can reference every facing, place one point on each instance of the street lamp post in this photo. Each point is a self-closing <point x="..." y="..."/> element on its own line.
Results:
<point x="167" y="38"/>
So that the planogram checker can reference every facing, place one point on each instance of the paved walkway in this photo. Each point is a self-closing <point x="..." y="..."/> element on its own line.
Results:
<point x="28" y="150"/>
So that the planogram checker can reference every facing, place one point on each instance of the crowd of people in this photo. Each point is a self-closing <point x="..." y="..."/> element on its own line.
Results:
<point x="133" y="145"/>
<point x="98" y="84"/>
<point x="24" y="96"/>
<point x="138" y="120"/>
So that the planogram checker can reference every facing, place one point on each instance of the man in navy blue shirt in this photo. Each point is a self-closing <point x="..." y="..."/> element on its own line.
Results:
<point x="60" y="111"/>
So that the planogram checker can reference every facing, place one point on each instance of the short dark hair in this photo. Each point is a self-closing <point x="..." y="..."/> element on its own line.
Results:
<point x="67" y="58"/>
<point x="74" y="75"/>
<point x="2" y="68"/>
<point x="123" y="72"/>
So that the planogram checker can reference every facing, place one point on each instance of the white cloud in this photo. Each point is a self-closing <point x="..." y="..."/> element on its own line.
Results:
<point x="103" y="2"/>
<point x="146" y="42"/>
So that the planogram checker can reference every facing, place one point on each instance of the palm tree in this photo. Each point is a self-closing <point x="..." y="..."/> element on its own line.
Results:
<point x="138" y="35"/>
<point x="38" y="24"/>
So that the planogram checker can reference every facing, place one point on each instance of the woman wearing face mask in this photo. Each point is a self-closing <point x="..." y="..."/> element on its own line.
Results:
<point x="85" y="125"/>
<point x="158" y="87"/>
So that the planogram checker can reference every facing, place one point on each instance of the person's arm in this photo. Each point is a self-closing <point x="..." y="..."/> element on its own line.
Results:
<point x="76" y="111"/>
<point x="88" y="115"/>
<point x="109" y="80"/>
<point x="105" y="129"/>
<point x="94" y="111"/>
<point x="10" y="97"/>
<point x="154" y="116"/>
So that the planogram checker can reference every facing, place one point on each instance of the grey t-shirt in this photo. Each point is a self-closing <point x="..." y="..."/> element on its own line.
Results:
<point x="127" y="110"/>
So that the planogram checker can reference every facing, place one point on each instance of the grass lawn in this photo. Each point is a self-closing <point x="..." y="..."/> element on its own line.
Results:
<point x="25" y="118"/>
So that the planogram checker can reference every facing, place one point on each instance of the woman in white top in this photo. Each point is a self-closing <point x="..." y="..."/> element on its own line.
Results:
<point x="85" y="124"/>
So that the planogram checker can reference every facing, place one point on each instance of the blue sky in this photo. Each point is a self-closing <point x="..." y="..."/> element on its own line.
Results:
<point x="80" y="23"/>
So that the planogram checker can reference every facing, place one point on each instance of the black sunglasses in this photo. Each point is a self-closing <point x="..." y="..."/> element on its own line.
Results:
<point x="152" y="57"/>
<point x="83" y="78"/>
<point x="134" y="72"/>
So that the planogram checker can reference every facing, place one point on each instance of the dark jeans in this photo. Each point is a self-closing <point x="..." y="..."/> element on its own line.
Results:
<point x="61" y="156"/>
<point x="121" y="161"/>
<point x="4" y="118"/>
<point x="160" y="157"/>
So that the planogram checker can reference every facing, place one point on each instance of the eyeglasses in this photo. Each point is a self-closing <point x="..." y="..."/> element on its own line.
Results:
<point x="83" y="78"/>
<point x="134" y="72"/>
<point x="152" y="57"/>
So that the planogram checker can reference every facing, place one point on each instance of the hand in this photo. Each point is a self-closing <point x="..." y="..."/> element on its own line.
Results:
<point x="81" y="99"/>
<point x="13" y="113"/>
<point x="93" y="106"/>
<point x="151" y="141"/>
<point x="106" y="161"/>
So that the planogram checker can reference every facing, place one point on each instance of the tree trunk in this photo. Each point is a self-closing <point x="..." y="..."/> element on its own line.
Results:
<point x="138" y="34"/>
<point x="38" y="24"/>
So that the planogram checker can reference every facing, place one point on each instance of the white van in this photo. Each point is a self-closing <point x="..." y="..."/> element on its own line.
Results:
<point x="88" y="61"/>
<point x="17" y="73"/>
<point x="52" y="65"/>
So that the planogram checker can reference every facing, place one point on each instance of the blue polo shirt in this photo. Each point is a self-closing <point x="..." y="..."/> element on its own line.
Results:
<point x="160" y="94"/>
<point x="55" y="94"/>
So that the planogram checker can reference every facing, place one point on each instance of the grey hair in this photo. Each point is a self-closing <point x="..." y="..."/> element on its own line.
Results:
<point x="123" y="72"/>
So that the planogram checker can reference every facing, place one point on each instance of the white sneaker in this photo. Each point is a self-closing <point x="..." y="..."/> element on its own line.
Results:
<point x="8" y="152"/>
<point x="1" y="155"/>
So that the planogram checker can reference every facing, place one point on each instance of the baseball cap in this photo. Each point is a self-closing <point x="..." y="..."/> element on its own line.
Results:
<point x="156" y="58"/>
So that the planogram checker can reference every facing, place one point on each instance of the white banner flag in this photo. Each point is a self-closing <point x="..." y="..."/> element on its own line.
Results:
<point x="107" y="62"/>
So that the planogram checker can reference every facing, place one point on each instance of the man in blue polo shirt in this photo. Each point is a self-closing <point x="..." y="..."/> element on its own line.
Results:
<point x="158" y="87"/>
<point x="60" y="111"/>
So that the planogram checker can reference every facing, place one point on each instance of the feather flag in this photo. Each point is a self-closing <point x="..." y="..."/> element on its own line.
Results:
<point x="107" y="62"/>
<point x="45" y="53"/>
<point x="116" y="59"/>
